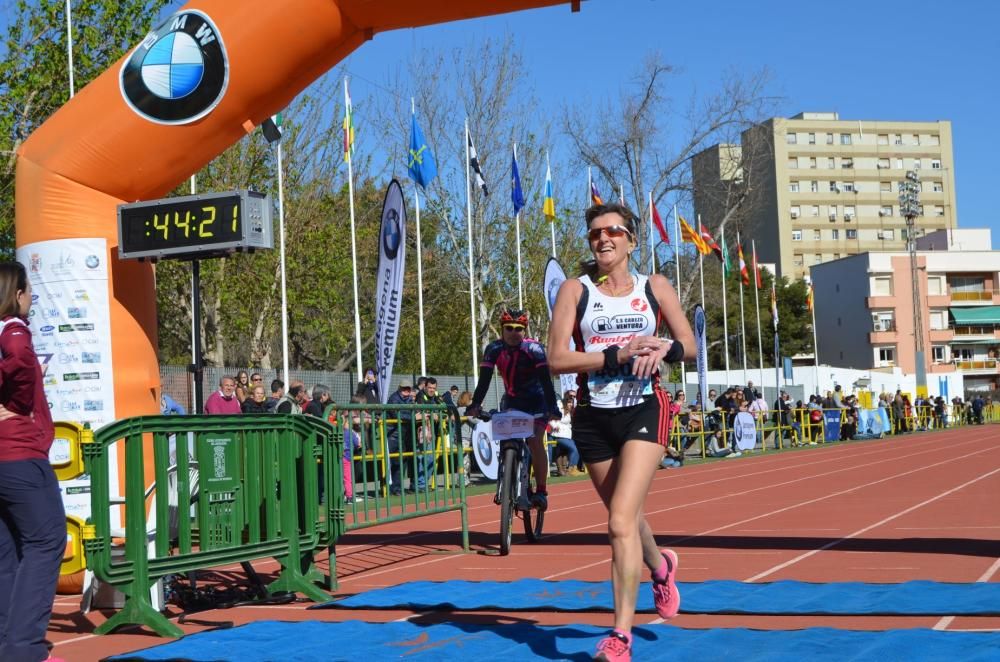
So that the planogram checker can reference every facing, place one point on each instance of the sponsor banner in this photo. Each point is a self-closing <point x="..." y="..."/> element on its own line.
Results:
<point x="486" y="449"/>
<point x="554" y="277"/>
<point x="745" y="431"/>
<point x="702" y="356"/>
<point x="70" y="324"/>
<point x="389" y="287"/>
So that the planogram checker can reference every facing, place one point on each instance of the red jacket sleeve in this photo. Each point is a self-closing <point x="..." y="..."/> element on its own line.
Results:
<point x="17" y="370"/>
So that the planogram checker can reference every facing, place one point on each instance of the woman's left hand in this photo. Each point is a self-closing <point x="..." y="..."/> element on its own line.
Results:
<point x="644" y="365"/>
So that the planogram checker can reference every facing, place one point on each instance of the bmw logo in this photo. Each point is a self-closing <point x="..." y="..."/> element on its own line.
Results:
<point x="179" y="72"/>
<point x="92" y="262"/>
<point x="390" y="233"/>
<point x="485" y="448"/>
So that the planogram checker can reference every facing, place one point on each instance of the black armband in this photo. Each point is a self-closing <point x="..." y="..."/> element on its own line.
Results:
<point x="611" y="358"/>
<point x="675" y="353"/>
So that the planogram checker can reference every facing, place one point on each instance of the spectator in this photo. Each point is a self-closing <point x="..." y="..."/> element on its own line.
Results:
<point x="750" y="393"/>
<point x="224" y="400"/>
<point x="351" y="422"/>
<point x="562" y="433"/>
<point x="450" y="396"/>
<point x="320" y="399"/>
<point x="294" y="401"/>
<point x="466" y="427"/>
<point x="815" y="408"/>
<point x="32" y="519"/>
<point x="940" y="413"/>
<point x="169" y="406"/>
<point x="977" y="409"/>
<point x="257" y="402"/>
<point x="277" y="393"/>
<point x="400" y="439"/>
<point x="898" y="413"/>
<point x="849" y="427"/>
<point x="428" y="432"/>
<point x="242" y="386"/>
<point x="838" y="400"/>
<point x="368" y="388"/>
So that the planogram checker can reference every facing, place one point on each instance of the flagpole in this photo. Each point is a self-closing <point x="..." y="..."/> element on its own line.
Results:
<point x="468" y="226"/>
<point x="195" y="331"/>
<point x="743" y="324"/>
<point x="517" y="240"/>
<point x="281" y="259"/>
<point x="725" y="311"/>
<point x="354" y="250"/>
<point x="69" y="46"/>
<point x="812" y="293"/>
<point x="756" y="298"/>
<point x="677" y="262"/>
<point x="420" y="269"/>
<point x="652" y="241"/>
<point x="621" y="194"/>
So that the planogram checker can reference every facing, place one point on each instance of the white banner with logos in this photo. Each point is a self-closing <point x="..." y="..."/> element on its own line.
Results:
<point x="554" y="277"/>
<point x="701" y="345"/>
<point x="71" y="329"/>
<point x="389" y="288"/>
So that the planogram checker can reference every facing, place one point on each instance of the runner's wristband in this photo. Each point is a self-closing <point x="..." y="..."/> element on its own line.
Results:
<point x="611" y="358"/>
<point x="675" y="353"/>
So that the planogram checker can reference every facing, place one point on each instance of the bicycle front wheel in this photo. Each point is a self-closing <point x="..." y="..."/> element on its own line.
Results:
<point x="508" y="498"/>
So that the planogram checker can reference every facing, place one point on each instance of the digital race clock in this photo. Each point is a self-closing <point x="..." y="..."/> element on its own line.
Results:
<point x="195" y="226"/>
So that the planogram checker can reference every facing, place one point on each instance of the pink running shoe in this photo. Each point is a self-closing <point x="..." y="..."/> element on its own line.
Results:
<point x="614" y="648"/>
<point x="666" y="597"/>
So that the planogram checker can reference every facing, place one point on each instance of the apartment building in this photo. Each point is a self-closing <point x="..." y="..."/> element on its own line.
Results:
<point x="864" y="308"/>
<point x="822" y="188"/>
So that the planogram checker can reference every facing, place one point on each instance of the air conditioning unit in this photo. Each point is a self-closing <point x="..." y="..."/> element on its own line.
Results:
<point x="878" y="326"/>
<point x="795" y="214"/>
<point x="833" y="217"/>
<point x="848" y="217"/>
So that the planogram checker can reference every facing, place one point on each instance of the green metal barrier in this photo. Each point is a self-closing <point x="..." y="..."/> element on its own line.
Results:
<point x="252" y="482"/>
<point x="423" y="442"/>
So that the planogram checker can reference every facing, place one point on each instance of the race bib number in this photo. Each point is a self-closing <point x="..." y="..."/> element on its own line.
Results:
<point x="617" y="387"/>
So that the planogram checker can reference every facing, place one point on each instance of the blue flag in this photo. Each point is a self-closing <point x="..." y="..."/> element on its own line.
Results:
<point x="516" y="194"/>
<point x="420" y="161"/>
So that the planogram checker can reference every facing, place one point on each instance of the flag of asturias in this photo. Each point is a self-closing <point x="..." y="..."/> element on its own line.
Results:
<point x="420" y="165"/>
<point x="516" y="194"/>
<point x="549" y="204"/>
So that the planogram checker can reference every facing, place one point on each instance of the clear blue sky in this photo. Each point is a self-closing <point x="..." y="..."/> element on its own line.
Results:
<point x="865" y="60"/>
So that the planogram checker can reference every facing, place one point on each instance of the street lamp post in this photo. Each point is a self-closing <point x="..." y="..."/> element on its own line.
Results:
<point x="909" y="208"/>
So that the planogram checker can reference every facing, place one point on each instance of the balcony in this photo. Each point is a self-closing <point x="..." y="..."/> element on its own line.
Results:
<point x="883" y="331"/>
<point x="973" y="297"/>
<point x="976" y="366"/>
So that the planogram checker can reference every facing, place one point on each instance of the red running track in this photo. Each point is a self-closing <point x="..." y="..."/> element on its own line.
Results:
<point x="912" y="507"/>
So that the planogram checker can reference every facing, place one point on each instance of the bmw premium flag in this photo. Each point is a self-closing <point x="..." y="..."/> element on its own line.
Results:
<point x="389" y="288"/>
<point x="420" y="161"/>
<point x="701" y="346"/>
<point x="554" y="277"/>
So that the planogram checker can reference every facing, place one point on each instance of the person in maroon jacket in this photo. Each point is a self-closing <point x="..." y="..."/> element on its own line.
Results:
<point x="32" y="520"/>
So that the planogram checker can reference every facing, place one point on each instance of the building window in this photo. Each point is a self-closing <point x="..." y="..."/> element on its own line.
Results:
<point x="835" y="233"/>
<point x="791" y="138"/>
<point x="831" y="163"/>
<point x="938" y="320"/>
<point x="829" y="139"/>
<point x="937" y="187"/>
<point x="852" y="234"/>
<point x="883" y="164"/>
<point x="817" y="258"/>
<point x="849" y="212"/>
<point x="845" y="139"/>
<point x="897" y="139"/>
<point x="793" y="162"/>
<point x="885" y="187"/>
<point x="933" y="140"/>
<point x="935" y="285"/>
<point x="797" y="259"/>
<point x="917" y="163"/>
<point x="848" y="187"/>
<point x="812" y="162"/>
<point x="793" y="187"/>
<point x="882" y="320"/>
<point x="814" y="187"/>
<point x="887" y="235"/>
<point x="938" y="210"/>
<point x="847" y="164"/>
<point x="796" y="235"/>
<point x="899" y="164"/>
<point x="886" y="357"/>
<point x="836" y="256"/>
<point x="815" y="210"/>
<point x="817" y="235"/>
<point x="935" y="164"/>
<point x="834" y="187"/>
<point x="833" y="212"/>
<point x="938" y="354"/>
<point x="883" y="139"/>
<point x="882" y="286"/>
<point x="812" y="138"/>
<point x="796" y="211"/>
<point x="885" y="210"/>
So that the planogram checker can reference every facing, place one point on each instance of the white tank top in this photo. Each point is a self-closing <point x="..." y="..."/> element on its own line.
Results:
<point x="603" y="321"/>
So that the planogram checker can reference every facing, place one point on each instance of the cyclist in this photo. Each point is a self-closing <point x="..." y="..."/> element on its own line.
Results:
<point x="527" y="387"/>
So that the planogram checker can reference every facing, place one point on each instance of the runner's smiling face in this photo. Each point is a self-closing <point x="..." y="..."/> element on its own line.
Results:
<point x="609" y="244"/>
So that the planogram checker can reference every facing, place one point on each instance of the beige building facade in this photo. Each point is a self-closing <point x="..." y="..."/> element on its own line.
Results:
<point x="823" y="188"/>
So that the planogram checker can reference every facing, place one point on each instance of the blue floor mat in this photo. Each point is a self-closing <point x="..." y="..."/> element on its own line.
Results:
<point x="310" y="641"/>
<point x="916" y="598"/>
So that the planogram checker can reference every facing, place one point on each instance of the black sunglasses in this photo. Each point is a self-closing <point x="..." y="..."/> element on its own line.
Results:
<point x="612" y="231"/>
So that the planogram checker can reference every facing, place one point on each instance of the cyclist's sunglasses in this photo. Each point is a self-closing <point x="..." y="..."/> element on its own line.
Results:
<point x="612" y="231"/>
<point x="513" y="327"/>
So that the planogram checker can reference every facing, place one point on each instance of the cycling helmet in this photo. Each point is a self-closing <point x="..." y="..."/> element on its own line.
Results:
<point x="514" y="316"/>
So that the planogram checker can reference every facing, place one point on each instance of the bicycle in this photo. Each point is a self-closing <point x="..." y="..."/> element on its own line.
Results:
<point x="512" y="430"/>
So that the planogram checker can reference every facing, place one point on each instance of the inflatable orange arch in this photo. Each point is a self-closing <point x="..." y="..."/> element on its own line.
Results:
<point x="104" y="147"/>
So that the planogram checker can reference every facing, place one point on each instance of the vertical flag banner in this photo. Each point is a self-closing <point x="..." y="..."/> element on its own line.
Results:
<point x="348" y="124"/>
<point x="774" y="307"/>
<point x="689" y="235"/>
<point x="474" y="164"/>
<point x="595" y="197"/>
<point x="700" y="324"/>
<point x="662" y="229"/>
<point x="516" y="194"/>
<point x="420" y="164"/>
<point x="809" y="298"/>
<point x="549" y="204"/>
<point x="389" y="287"/>
<point x="756" y="269"/>
<point x="271" y="127"/>
<point x="744" y="275"/>
<point x="706" y="236"/>
<point x="554" y="277"/>
<point x="727" y="266"/>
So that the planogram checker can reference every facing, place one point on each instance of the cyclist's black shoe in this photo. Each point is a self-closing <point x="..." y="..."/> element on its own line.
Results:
<point x="524" y="503"/>
<point x="540" y="500"/>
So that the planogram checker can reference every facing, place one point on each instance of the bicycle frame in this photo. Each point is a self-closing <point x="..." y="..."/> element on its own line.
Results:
<point x="523" y="467"/>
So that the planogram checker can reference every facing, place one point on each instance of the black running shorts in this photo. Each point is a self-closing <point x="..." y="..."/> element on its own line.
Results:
<point x="600" y="433"/>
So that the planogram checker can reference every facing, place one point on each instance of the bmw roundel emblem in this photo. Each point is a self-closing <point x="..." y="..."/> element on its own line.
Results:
<point x="179" y="72"/>
<point x="390" y="234"/>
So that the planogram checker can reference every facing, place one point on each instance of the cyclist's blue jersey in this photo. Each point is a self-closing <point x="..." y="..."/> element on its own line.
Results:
<point x="519" y="367"/>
